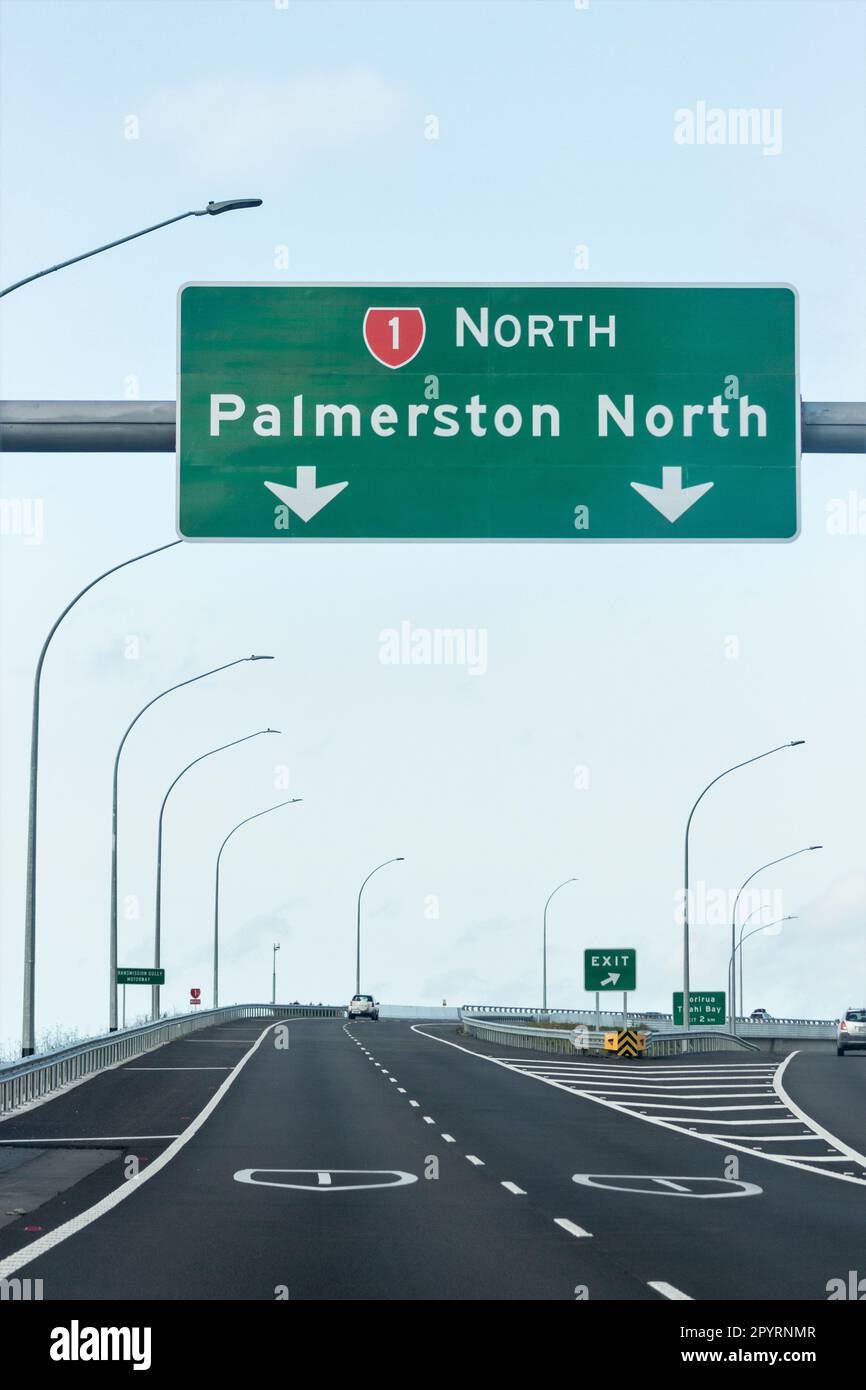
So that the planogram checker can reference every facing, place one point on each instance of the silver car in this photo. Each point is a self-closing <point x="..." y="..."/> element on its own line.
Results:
<point x="363" y="1006"/>
<point x="851" y="1031"/>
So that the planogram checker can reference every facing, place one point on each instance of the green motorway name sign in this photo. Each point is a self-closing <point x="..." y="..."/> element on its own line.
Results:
<point x="139" y="975"/>
<point x="610" y="969"/>
<point x="705" y="1007"/>
<point x="488" y="412"/>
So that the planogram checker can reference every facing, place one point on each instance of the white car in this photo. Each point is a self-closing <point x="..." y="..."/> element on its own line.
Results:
<point x="851" y="1031"/>
<point x="363" y="1006"/>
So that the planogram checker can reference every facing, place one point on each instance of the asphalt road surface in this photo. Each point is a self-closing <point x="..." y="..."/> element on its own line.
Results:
<point x="318" y="1159"/>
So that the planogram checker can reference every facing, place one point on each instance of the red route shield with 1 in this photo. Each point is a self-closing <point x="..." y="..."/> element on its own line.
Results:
<point x="394" y="336"/>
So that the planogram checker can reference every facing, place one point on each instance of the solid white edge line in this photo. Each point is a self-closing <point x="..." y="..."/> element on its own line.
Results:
<point x="92" y="1139"/>
<point x="40" y="1247"/>
<point x="668" y="1291"/>
<point x="816" y="1128"/>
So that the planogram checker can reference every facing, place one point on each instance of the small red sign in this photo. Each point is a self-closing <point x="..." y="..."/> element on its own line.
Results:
<point x="394" y="336"/>
<point x="195" y="996"/>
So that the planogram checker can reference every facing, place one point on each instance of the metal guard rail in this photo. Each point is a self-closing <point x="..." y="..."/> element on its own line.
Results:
<point x="590" y="1039"/>
<point x="520" y="1011"/>
<point x="34" y="1077"/>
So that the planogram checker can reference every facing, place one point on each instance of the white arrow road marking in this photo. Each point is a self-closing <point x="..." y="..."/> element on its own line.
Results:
<point x="669" y="1187"/>
<point x="306" y="498"/>
<point x="323" y="1178"/>
<point x="671" y="499"/>
<point x="612" y="977"/>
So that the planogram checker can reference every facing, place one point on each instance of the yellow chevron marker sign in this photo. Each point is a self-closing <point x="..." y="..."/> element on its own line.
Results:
<point x="628" y="1042"/>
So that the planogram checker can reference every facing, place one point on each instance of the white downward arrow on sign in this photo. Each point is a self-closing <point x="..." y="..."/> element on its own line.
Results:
<point x="611" y="979"/>
<point x="672" y="499"/>
<point x="306" y="499"/>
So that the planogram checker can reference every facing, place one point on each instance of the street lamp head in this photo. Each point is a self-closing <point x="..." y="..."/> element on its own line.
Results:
<point x="816" y="846"/>
<point x="795" y="742"/>
<point x="273" y="731"/>
<point x="231" y="205"/>
<point x="400" y="859"/>
<point x="260" y="658"/>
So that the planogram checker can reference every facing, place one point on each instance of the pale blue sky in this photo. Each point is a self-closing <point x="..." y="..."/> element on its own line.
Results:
<point x="556" y="130"/>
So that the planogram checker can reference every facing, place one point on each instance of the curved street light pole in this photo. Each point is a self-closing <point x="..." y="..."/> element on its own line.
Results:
<point x="216" y="909"/>
<point x="28" y="1041"/>
<point x="790" y="917"/>
<point x="793" y="743"/>
<point x="805" y="849"/>
<point x="745" y="922"/>
<point x="212" y="210"/>
<point x="544" y="944"/>
<point x="157" y="933"/>
<point x="397" y="860"/>
<point x="274" y="973"/>
<point x="112" y="949"/>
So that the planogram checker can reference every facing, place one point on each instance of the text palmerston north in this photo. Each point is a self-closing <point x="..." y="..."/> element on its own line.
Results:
<point x="621" y="414"/>
<point x="616" y="413"/>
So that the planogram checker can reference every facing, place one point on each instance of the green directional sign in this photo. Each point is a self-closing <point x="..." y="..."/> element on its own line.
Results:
<point x="705" y="1007"/>
<point x="610" y="969"/>
<point x="488" y="412"/>
<point x="139" y="975"/>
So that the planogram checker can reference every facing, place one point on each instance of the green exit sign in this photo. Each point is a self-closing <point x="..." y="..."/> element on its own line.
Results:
<point x="610" y="969"/>
<point x="705" y="1007"/>
<point x="488" y="412"/>
<point x="140" y="975"/>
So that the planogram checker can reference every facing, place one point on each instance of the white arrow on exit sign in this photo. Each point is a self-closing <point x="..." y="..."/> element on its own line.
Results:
<point x="672" y="499"/>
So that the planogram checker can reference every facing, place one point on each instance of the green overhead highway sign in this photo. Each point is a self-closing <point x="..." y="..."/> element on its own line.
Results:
<point x="705" y="1008"/>
<point x="139" y="975"/>
<point x="609" y="969"/>
<point x="497" y="412"/>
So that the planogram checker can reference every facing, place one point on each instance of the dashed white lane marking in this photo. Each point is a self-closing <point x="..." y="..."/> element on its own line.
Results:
<point x="402" y="1090"/>
<point x="416" y="1104"/>
<point x="120" y="1194"/>
<point x="604" y="1084"/>
<point x="479" y="1162"/>
<point x="570" y="1226"/>
<point x="324" y="1179"/>
<point x="449" y="1138"/>
<point x="428" y="1120"/>
<point x="512" y="1187"/>
<point x="668" y="1291"/>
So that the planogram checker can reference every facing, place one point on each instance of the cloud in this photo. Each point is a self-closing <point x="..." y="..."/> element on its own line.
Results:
<point x="451" y="984"/>
<point x="480" y="932"/>
<point x="231" y="125"/>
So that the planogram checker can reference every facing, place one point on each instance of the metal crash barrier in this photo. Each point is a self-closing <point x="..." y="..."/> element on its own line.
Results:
<point x="621" y="1042"/>
<point x="23" y="1082"/>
